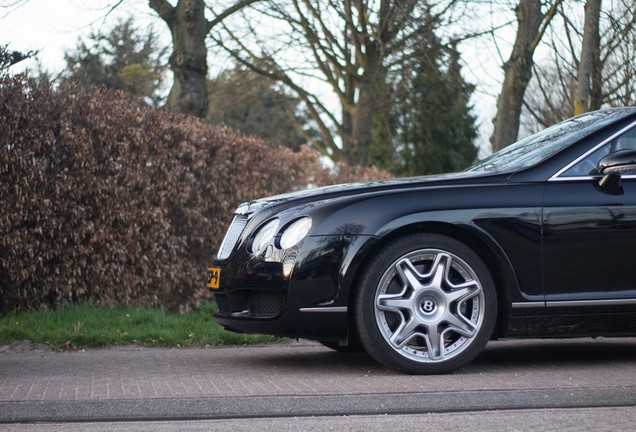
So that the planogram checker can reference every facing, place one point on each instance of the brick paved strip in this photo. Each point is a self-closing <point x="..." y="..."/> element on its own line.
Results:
<point x="130" y="373"/>
<point x="303" y="406"/>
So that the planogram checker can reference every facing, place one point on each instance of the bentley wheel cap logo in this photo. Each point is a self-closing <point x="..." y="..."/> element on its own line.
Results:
<point x="428" y="305"/>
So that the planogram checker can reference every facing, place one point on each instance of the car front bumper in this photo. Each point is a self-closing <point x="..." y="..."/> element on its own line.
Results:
<point x="296" y="293"/>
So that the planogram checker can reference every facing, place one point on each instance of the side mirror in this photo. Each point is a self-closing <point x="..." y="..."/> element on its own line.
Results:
<point x="612" y="167"/>
<point x="621" y="162"/>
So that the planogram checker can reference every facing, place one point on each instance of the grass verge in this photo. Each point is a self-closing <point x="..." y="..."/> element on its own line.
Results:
<point x="80" y="327"/>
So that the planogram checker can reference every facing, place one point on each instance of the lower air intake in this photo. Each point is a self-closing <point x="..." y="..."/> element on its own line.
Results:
<point x="266" y="304"/>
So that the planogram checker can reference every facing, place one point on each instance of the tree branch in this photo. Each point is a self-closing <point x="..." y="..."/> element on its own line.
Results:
<point x="546" y="22"/>
<point x="315" y="108"/>
<point x="165" y="11"/>
<point x="229" y="11"/>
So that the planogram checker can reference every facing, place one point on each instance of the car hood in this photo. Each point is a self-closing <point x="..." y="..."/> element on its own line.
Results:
<point x="278" y="202"/>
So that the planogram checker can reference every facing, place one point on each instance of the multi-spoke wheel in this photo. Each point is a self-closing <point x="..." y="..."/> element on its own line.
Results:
<point x="426" y="304"/>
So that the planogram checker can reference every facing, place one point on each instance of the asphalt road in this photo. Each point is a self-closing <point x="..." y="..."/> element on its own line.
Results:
<point x="513" y="385"/>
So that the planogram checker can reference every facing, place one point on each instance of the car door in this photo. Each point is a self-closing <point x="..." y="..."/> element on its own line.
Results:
<point x="589" y="234"/>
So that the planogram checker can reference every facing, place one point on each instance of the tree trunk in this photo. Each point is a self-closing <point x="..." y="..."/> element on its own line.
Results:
<point x="358" y="142"/>
<point x="188" y="61"/>
<point x="517" y="74"/>
<point x="596" y="96"/>
<point x="589" y="62"/>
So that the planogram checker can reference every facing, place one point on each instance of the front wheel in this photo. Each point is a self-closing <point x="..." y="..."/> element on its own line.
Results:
<point x="426" y="305"/>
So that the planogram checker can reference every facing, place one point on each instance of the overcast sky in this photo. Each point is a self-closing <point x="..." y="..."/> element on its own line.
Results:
<point x="54" y="26"/>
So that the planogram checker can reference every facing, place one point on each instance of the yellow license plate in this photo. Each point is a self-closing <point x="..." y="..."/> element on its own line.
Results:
<point x="214" y="277"/>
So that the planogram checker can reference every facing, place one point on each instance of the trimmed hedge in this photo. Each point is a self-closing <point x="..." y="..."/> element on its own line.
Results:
<point x="108" y="201"/>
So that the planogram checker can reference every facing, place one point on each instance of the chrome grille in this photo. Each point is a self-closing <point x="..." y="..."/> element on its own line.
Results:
<point x="232" y="236"/>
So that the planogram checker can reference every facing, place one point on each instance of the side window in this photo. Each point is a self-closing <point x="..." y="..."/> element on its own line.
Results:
<point x="625" y="142"/>
<point x="587" y="166"/>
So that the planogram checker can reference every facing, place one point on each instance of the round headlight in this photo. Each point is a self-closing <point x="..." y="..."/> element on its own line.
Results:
<point x="263" y="236"/>
<point x="295" y="232"/>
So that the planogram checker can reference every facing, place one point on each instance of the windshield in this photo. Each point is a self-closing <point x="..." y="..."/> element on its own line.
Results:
<point x="545" y="144"/>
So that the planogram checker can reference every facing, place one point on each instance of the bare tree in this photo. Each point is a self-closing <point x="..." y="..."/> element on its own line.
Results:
<point x="352" y="44"/>
<point x="554" y="86"/>
<point x="617" y="54"/>
<point x="189" y="28"/>
<point x="531" y="26"/>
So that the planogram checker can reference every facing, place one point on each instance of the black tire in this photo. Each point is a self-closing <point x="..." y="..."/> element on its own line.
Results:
<point x="426" y="304"/>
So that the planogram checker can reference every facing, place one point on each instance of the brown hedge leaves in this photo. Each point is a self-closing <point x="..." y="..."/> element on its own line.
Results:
<point x="108" y="201"/>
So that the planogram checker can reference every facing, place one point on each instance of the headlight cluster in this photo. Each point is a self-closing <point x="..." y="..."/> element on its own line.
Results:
<point x="263" y="236"/>
<point x="295" y="232"/>
<point x="289" y="236"/>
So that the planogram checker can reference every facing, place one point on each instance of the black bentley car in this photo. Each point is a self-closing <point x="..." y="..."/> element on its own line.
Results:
<point x="537" y="240"/>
